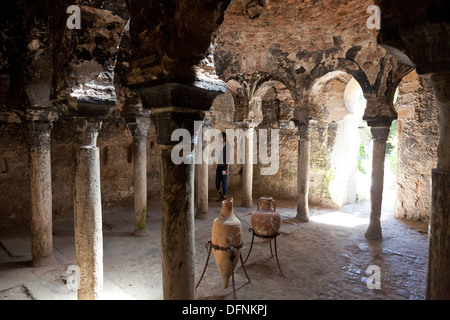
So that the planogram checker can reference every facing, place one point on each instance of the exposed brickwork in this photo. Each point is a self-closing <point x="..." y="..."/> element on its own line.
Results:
<point x="418" y="135"/>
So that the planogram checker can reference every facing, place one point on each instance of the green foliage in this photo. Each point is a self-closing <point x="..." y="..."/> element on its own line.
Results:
<point x="361" y="156"/>
<point x="393" y="160"/>
<point x="328" y="177"/>
<point x="360" y="198"/>
<point x="392" y="147"/>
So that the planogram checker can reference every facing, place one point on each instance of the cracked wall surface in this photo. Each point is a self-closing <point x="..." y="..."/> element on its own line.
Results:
<point x="418" y="136"/>
<point x="270" y="54"/>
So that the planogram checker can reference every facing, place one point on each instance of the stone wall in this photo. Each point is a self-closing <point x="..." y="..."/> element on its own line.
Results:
<point x="116" y="168"/>
<point x="418" y="135"/>
<point x="297" y="41"/>
<point x="292" y="43"/>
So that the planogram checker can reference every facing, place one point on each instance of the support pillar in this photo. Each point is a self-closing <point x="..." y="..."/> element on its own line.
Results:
<point x="201" y="184"/>
<point x="438" y="274"/>
<point x="177" y="205"/>
<point x="88" y="209"/>
<point x="139" y="125"/>
<point x="380" y="133"/>
<point x="178" y="106"/>
<point x="303" y="172"/>
<point x="247" y="172"/>
<point x="39" y="125"/>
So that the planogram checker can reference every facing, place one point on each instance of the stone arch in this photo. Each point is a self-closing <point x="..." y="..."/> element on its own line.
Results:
<point x="276" y="103"/>
<point x="249" y="89"/>
<point x="240" y="97"/>
<point x="282" y="100"/>
<point x="326" y="98"/>
<point x="337" y="102"/>
<point x="223" y="108"/>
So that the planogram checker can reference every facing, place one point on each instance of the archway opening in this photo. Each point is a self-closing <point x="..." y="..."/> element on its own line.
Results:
<point x="390" y="166"/>
<point x="337" y="102"/>
<point x="276" y="163"/>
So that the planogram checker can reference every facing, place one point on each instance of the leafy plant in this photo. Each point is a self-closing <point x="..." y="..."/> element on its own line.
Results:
<point x="361" y="156"/>
<point x="392" y="147"/>
<point x="360" y="198"/>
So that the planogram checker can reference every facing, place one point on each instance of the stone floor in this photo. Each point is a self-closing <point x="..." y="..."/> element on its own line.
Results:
<point x="326" y="258"/>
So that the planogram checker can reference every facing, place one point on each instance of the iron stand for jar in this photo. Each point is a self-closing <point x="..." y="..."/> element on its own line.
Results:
<point x="232" y="252"/>
<point x="274" y="236"/>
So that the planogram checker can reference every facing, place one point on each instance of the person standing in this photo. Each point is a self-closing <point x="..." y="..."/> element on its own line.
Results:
<point x="223" y="170"/>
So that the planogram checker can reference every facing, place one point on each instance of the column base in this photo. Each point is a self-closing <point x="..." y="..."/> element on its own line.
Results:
<point x="247" y="203"/>
<point x="373" y="232"/>
<point x="301" y="218"/>
<point x="141" y="233"/>
<point x="201" y="215"/>
<point x="44" y="261"/>
<point x="302" y="208"/>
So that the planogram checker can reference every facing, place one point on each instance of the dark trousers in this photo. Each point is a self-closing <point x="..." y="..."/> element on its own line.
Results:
<point x="221" y="179"/>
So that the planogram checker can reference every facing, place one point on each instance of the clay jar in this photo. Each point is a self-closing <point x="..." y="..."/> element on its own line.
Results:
<point x="265" y="221"/>
<point x="226" y="233"/>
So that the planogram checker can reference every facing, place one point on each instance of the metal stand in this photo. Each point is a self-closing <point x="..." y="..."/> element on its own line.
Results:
<point x="274" y="236"/>
<point x="232" y="252"/>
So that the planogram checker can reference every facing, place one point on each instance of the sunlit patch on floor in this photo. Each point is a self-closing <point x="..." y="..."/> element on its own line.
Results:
<point x="340" y="219"/>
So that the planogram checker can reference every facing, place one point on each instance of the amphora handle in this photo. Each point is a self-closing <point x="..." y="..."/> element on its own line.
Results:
<point x="270" y="200"/>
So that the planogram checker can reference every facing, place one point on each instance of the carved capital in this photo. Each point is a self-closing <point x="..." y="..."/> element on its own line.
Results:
<point x="39" y="123"/>
<point x="179" y="95"/>
<point x="41" y="114"/>
<point x="380" y="133"/>
<point x="379" y="121"/>
<point x="138" y="122"/>
<point x="304" y="128"/>
<point x="39" y="133"/>
<point x="166" y="121"/>
<point x="86" y="130"/>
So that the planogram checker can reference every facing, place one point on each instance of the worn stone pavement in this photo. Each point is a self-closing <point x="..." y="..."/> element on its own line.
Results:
<point x="326" y="258"/>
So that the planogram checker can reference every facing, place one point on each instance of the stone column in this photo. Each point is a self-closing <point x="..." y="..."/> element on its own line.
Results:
<point x="177" y="205"/>
<point x="88" y="209"/>
<point x="178" y="106"/>
<point x="39" y="125"/>
<point x="380" y="133"/>
<point x="303" y="172"/>
<point x="247" y="172"/>
<point x="201" y="183"/>
<point x="438" y="275"/>
<point x="139" y="125"/>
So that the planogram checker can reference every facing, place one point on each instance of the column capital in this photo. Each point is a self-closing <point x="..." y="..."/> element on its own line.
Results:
<point x="86" y="131"/>
<point x="209" y="119"/>
<point x="177" y="106"/>
<point x="138" y="122"/>
<point x="39" y="123"/>
<point x="38" y="126"/>
<point x="380" y="133"/>
<point x="384" y="121"/>
<point x="248" y="124"/>
<point x="169" y="120"/>
<point x="178" y="95"/>
<point x="41" y="114"/>
<point x="304" y="128"/>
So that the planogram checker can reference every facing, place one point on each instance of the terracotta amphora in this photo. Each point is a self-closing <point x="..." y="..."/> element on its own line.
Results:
<point x="226" y="239"/>
<point x="265" y="221"/>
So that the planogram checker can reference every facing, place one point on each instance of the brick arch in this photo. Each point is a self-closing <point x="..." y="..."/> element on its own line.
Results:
<point x="249" y="90"/>
<point x="286" y="103"/>
<point x="325" y="98"/>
